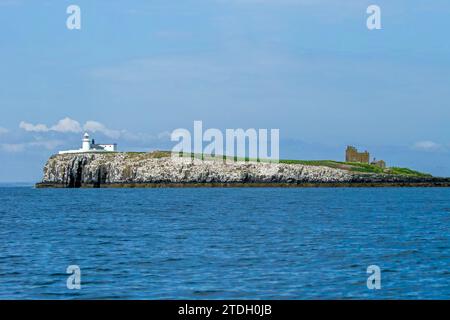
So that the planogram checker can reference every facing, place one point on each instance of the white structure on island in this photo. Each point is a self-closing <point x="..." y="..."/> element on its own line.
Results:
<point x="90" y="146"/>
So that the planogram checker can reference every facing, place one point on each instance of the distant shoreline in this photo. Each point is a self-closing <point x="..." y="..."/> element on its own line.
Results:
<point x="436" y="184"/>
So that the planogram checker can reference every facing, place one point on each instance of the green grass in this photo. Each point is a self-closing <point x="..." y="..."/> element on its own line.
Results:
<point x="406" y="171"/>
<point x="358" y="167"/>
<point x="153" y="154"/>
<point x="209" y="157"/>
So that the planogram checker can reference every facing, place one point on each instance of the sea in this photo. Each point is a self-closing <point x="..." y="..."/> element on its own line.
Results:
<point x="224" y="243"/>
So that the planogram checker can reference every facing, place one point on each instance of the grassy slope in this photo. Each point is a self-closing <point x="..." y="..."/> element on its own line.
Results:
<point x="357" y="167"/>
<point x="351" y="166"/>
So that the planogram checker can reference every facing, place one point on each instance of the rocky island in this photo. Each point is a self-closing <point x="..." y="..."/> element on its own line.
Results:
<point x="160" y="169"/>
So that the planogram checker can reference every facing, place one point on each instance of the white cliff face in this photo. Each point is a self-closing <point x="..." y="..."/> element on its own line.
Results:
<point x="97" y="169"/>
<point x="76" y="169"/>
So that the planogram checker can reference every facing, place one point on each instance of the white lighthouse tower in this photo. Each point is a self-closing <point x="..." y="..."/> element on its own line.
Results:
<point x="86" y="145"/>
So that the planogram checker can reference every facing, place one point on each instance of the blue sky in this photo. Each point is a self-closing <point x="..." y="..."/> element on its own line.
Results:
<point x="139" y="69"/>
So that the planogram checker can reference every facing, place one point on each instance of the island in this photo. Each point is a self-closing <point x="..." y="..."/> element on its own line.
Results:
<point x="162" y="169"/>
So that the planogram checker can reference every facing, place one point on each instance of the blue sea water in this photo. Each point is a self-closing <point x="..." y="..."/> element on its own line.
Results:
<point x="215" y="243"/>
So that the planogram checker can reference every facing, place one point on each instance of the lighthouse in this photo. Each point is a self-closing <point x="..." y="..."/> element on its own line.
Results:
<point x="86" y="145"/>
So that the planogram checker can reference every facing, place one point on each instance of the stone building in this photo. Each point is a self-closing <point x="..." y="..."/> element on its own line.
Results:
<point x="352" y="155"/>
<point x="379" y="163"/>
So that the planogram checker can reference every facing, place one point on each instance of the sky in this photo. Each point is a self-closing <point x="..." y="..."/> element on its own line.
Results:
<point x="137" y="70"/>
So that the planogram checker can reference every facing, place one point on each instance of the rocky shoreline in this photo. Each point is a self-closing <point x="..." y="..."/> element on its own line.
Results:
<point x="153" y="170"/>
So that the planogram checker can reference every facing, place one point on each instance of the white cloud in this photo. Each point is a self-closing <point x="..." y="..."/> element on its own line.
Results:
<point x="67" y="125"/>
<point x="3" y="130"/>
<point x="94" y="126"/>
<point x="33" y="127"/>
<point x="427" y="146"/>
<point x="63" y="126"/>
